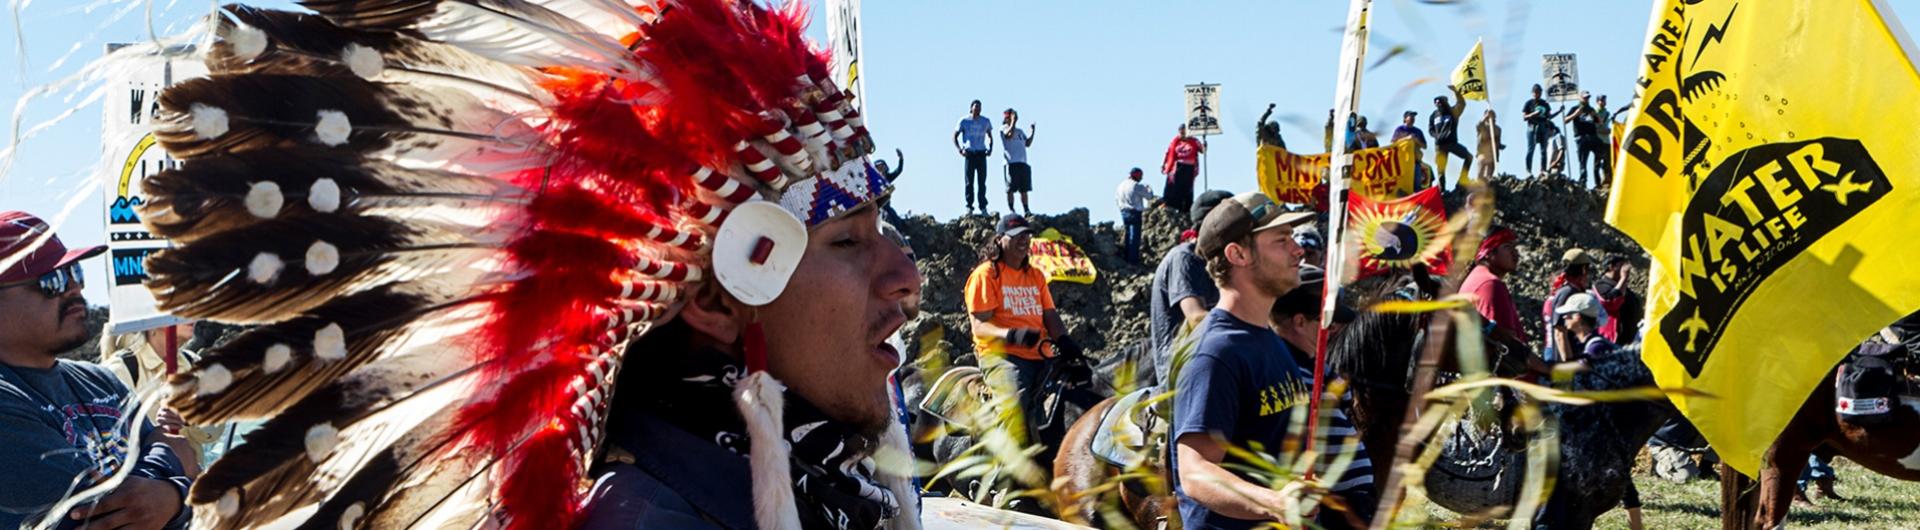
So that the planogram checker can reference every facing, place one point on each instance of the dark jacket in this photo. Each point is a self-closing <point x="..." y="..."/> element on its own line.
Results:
<point x="677" y="480"/>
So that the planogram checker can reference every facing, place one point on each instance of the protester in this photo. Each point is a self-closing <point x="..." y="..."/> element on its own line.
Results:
<point x="1586" y="124"/>
<point x="1364" y="135"/>
<point x="974" y="140"/>
<point x="1486" y="283"/>
<point x="1576" y="325"/>
<point x="1182" y="290"/>
<point x="61" y="421"/>
<point x="1444" y="124"/>
<point x="1603" y="165"/>
<point x="1236" y="387"/>
<point x="1539" y="118"/>
<point x="1267" y="132"/>
<point x="892" y="173"/>
<point x="1019" y="174"/>
<point x="1489" y="147"/>
<point x="1618" y="300"/>
<point x="1575" y="276"/>
<point x="1329" y="138"/>
<point x="1313" y="248"/>
<point x="1180" y="165"/>
<point x="1296" y="318"/>
<point x="1015" y="325"/>
<point x="1133" y="197"/>
<point x="680" y="423"/>
<point x="1408" y="130"/>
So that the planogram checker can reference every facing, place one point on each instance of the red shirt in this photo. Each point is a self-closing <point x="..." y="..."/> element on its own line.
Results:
<point x="1495" y="302"/>
<point x="1182" y="151"/>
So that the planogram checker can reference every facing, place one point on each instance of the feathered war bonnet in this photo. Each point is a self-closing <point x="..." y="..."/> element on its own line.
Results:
<point x="446" y="218"/>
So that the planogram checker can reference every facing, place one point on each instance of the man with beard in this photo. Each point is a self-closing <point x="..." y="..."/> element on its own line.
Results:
<point x="1238" y="386"/>
<point x="1015" y="326"/>
<point x="60" y="420"/>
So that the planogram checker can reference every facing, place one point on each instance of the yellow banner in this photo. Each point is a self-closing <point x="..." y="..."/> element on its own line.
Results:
<point x="1471" y="76"/>
<point x="1776" y="195"/>
<point x="1063" y="261"/>
<point x="1383" y="173"/>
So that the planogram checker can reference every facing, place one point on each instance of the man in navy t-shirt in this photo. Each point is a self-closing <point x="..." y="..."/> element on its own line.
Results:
<point x="1238" y="386"/>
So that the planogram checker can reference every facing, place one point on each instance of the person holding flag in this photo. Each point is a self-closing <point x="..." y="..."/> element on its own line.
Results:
<point x="1444" y="124"/>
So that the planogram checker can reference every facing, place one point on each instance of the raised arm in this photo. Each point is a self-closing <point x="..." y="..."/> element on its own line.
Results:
<point x="1032" y="129"/>
<point x="898" y="167"/>
<point x="1459" y="101"/>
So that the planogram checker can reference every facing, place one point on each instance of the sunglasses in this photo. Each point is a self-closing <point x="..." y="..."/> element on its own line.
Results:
<point x="53" y="284"/>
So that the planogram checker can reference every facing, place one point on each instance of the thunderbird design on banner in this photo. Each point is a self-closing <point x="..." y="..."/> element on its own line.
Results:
<point x="1397" y="234"/>
<point x="1776" y="202"/>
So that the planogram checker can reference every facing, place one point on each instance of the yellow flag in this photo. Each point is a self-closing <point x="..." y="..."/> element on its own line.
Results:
<point x="1471" y="76"/>
<point x="1767" y="173"/>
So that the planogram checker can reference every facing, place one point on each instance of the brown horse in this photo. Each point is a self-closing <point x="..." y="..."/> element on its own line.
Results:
<point x="1891" y="448"/>
<point x="1076" y="471"/>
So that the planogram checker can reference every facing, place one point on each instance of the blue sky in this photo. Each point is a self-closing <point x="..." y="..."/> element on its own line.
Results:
<point x="1102" y="79"/>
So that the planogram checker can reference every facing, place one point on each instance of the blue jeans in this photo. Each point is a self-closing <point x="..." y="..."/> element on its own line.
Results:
<point x="1818" y="467"/>
<point x="1131" y="220"/>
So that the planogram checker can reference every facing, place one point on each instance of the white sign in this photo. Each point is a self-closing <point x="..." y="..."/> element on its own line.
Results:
<point x="843" y="39"/>
<point x="129" y="154"/>
<point x="1203" y="108"/>
<point x="1560" y="75"/>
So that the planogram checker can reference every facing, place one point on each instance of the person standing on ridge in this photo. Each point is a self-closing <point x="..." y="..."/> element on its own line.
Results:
<point x="1019" y="174"/>
<point x="1181" y="164"/>
<point x="974" y="140"/>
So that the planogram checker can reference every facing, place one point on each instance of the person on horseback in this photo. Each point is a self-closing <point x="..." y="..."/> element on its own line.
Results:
<point x="1015" y="325"/>
<point x="1487" y="284"/>
<point x="1296" y="318"/>
<point x="1237" y="385"/>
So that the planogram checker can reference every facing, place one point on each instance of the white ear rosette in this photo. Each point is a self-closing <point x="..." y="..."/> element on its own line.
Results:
<point x="756" y="251"/>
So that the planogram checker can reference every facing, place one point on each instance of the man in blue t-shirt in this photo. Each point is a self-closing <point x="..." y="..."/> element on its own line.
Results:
<point x="1238" y="386"/>
<point x="974" y="140"/>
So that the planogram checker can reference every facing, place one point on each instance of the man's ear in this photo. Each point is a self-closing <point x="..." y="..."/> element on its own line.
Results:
<point x="712" y="313"/>
<point x="1238" y="254"/>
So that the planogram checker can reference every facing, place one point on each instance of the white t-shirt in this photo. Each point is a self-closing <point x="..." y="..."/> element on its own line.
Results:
<point x="1132" y="195"/>
<point x="1016" y="148"/>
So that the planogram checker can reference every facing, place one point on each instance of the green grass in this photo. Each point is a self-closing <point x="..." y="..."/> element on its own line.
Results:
<point x="1874" y="502"/>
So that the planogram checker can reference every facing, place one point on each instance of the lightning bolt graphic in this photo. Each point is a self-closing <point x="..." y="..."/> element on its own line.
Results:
<point x="1714" y="33"/>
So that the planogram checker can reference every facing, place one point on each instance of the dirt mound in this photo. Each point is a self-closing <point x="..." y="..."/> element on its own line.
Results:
<point x="1550" y="216"/>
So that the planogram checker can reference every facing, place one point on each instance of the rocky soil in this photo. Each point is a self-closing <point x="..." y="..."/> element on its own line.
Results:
<point x="1550" y="216"/>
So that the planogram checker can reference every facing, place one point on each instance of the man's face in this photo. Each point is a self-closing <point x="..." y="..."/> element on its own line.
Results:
<point x="1406" y="120"/>
<point x="1276" y="264"/>
<point x="32" y="322"/>
<point x="1506" y="258"/>
<point x="974" y="108"/>
<point x="826" y="335"/>
<point x="1014" y="249"/>
<point x="1183" y="131"/>
<point x="1577" y="275"/>
<point x="1603" y="102"/>
<point x="1536" y="92"/>
<point x="1440" y="102"/>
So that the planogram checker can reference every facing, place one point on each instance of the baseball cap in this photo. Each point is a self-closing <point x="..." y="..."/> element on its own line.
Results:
<point x="1012" y="225"/>
<point x="1581" y="303"/>
<point x="1205" y="203"/>
<point x="1305" y="299"/>
<point x="29" y="248"/>
<point x="1246" y="214"/>
<point x="1577" y="256"/>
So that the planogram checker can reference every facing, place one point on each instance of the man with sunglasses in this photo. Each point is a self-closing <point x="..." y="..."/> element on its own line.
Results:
<point x="60" y="420"/>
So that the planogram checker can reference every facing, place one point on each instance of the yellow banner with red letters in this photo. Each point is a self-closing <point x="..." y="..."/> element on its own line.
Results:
<point x="1764" y="174"/>
<point x="1382" y="173"/>
<point x="1055" y="254"/>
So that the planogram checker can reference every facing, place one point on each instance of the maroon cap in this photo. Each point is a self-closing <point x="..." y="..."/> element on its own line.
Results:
<point x="28" y="248"/>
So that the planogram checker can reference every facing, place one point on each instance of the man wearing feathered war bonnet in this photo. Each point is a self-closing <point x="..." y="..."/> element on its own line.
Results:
<point x="534" y="264"/>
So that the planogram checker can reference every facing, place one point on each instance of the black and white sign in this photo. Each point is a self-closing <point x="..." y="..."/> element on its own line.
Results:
<point x="1561" y="76"/>
<point x="1203" y="108"/>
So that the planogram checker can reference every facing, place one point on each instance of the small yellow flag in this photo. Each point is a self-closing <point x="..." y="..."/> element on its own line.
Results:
<point x="1775" y="192"/>
<point x="1471" y="76"/>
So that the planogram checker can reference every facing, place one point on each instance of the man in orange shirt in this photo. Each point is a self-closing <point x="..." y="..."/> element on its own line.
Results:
<point x="1013" y="315"/>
